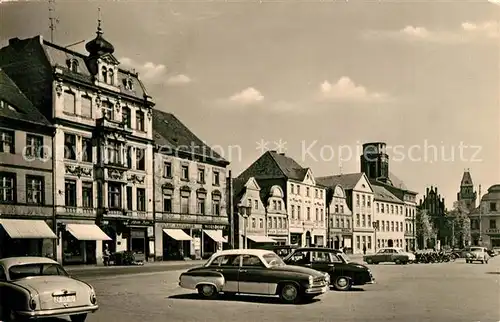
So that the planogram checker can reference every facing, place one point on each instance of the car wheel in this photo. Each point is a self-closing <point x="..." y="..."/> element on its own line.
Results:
<point x="207" y="291"/>
<point x="342" y="283"/>
<point x="289" y="293"/>
<point x="369" y="261"/>
<point x="397" y="262"/>
<point x="78" y="317"/>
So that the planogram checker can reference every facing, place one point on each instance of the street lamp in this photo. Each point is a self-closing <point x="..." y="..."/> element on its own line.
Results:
<point x="245" y="212"/>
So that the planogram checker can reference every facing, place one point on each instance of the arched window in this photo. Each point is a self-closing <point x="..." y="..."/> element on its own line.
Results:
<point x="111" y="76"/>
<point x="105" y="75"/>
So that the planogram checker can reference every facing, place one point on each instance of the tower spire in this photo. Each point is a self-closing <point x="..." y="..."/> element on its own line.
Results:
<point x="99" y="21"/>
<point x="53" y="21"/>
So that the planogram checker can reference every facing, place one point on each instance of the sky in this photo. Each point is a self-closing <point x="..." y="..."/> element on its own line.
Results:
<point x="311" y="79"/>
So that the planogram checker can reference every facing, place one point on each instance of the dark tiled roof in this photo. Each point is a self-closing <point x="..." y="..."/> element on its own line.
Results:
<point x="272" y="165"/>
<point x="466" y="179"/>
<point x="290" y="168"/>
<point x="382" y="194"/>
<point x="348" y="181"/>
<point x="238" y="189"/>
<point x="21" y="107"/>
<point x="173" y="137"/>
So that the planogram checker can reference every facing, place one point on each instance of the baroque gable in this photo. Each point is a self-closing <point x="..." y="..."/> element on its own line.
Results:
<point x="252" y="184"/>
<point x="363" y="185"/>
<point x="309" y="178"/>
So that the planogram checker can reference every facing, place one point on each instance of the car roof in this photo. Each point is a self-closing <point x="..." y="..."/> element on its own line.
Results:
<point x="11" y="261"/>
<point x="255" y="252"/>
<point x="323" y="249"/>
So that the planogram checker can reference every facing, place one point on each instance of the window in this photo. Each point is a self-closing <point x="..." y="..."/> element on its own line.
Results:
<point x="128" y="195"/>
<point x="7" y="187"/>
<point x="382" y="208"/>
<point x="127" y="83"/>
<point x="358" y="242"/>
<point x="139" y="121"/>
<point x="216" y="178"/>
<point x="113" y="153"/>
<point x="316" y="193"/>
<point x="358" y="220"/>
<point x="274" y="205"/>
<point x="357" y="200"/>
<point x="167" y="170"/>
<point x="114" y="196"/>
<point x="392" y="225"/>
<point x="337" y="222"/>
<point x="141" y="199"/>
<point x="308" y="213"/>
<point x="72" y="65"/>
<point x="298" y="190"/>
<point x="341" y="209"/>
<point x="369" y="201"/>
<point x="69" y="102"/>
<point x="140" y="159"/>
<point x="126" y="117"/>
<point x="107" y="110"/>
<point x="474" y="224"/>
<point x="279" y="205"/>
<point x="493" y="224"/>
<point x="201" y="206"/>
<point x="307" y="191"/>
<point x="377" y="207"/>
<point x="34" y="146"/>
<point x="363" y="200"/>
<point x="185" y="173"/>
<point x="201" y="176"/>
<point x="34" y="190"/>
<point x="69" y="146"/>
<point x="70" y="193"/>
<point x="256" y="204"/>
<point x="184" y="205"/>
<point x="348" y="223"/>
<point x="317" y="214"/>
<point x="293" y="211"/>
<point x="493" y="206"/>
<point x="104" y="75"/>
<point x="369" y="220"/>
<point x="369" y="246"/>
<point x="216" y="207"/>
<point x="392" y="209"/>
<point x="299" y="213"/>
<point x="87" y="195"/>
<point x="111" y="76"/>
<point x="364" y="220"/>
<point x="86" y="150"/>
<point x="167" y="204"/>
<point x="336" y="209"/>
<point x="250" y="260"/>
<point x="7" y="141"/>
<point x="86" y="106"/>
<point x="253" y="223"/>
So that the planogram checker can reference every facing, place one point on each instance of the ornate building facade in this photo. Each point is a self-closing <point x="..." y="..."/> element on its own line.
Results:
<point x="102" y="147"/>
<point x="339" y="218"/>
<point x="436" y="209"/>
<point x="485" y="220"/>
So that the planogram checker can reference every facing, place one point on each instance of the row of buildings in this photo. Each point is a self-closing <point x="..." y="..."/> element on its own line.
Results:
<point x="87" y="162"/>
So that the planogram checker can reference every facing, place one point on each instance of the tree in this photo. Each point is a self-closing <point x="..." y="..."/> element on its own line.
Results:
<point x="458" y="224"/>
<point x="424" y="229"/>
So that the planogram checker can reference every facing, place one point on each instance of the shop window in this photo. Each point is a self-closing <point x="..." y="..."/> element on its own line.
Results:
<point x="141" y="199"/>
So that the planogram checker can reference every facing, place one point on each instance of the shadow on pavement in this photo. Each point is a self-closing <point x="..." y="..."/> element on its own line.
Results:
<point x="493" y="273"/>
<point x="237" y="298"/>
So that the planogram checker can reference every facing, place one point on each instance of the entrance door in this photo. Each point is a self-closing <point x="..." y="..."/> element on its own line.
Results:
<point x="390" y="243"/>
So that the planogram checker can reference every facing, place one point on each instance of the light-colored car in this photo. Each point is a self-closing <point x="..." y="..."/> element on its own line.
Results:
<point x="390" y="255"/>
<point x="477" y="254"/>
<point x="254" y="271"/>
<point x="39" y="287"/>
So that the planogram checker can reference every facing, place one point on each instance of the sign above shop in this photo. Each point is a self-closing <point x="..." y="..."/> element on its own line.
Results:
<point x="139" y="222"/>
<point x="180" y="226"/>
<point x="214" y="227"/>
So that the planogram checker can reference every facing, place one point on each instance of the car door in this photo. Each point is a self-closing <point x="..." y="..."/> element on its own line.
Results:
<point x="300" y="258"/>
<point x="392" y="255"/>
<point x="252" y="277"/>
<point x="228" y="266"/>
<point x="381" y="256"/>
<point x="322" y="261"/>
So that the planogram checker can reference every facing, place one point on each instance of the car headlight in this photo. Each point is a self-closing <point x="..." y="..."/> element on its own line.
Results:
<point x="93" y="297"/>
<point x="311" y="280"/>
<point x="32" y="303"/>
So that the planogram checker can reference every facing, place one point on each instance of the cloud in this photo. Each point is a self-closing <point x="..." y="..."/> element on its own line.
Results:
<point x="180" y="79"/>
<point x="345" y="90"/>
<point x="247" y="96"/>
<point x="466" y="32"/>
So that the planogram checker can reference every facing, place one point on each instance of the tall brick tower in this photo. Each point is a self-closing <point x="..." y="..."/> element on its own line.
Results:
<point x="467" y="195"/>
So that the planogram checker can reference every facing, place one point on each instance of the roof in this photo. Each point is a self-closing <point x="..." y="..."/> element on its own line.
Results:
<point x="382" y="194"/>
<point x="172" y="137"/>
<point x="493" y="193"/>
<point x="273" y="165"/>
<point x="396" y="182"/>
<point x="11" y="261"/>
<point x="17" y="106"/>
<point x="255" y="252"/>
<point x="347" y="181"/>
<point x="466" y="179"/>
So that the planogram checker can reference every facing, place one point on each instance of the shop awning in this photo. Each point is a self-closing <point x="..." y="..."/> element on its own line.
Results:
<point x="177" y="234"/>
<point x="216" y="236"/>
<point x="86" y="232"/>
<point x="261" y="239"/>
<point x="26" y="228"/>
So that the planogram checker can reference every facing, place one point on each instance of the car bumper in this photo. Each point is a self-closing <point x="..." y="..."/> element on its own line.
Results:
<point x="316" y="290"/>
<point x="58" y="312"/>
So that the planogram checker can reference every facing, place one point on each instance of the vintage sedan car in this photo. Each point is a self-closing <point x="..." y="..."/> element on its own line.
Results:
<point x="344" y="274"/>
<point x="390" y="255"/>
<point x="281" y="250"/>
<point x="254" y="271"/>
<point x="477" y="254"/>
<point x="39" y="287"/>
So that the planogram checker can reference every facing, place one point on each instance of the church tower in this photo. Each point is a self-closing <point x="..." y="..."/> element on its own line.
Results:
<point x="467" y="195"/>
<point x="375" y="161"/>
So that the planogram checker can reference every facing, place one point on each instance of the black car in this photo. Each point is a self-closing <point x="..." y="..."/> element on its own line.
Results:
<point x="344" y="274"/>
<point x="281" y="250"/>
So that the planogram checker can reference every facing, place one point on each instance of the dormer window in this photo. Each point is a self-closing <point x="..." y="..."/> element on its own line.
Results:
<point x="72" y="65"/>
<point x="128" y="84"/>
<point x="4" y="104"/>
<point x="104" y="75"/>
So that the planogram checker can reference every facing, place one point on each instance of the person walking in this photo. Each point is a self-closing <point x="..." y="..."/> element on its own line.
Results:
<point x="364" y="249"/>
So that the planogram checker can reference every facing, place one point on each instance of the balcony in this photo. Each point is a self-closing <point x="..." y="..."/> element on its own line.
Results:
<point x="493" y="231"/>
<point x="111" y="171"/>
<point x="75" y="212"/>
<point x="112" y="125"/>
<point x="192" y="219"/>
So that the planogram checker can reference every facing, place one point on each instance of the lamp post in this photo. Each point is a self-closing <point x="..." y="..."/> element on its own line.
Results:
<point x="245" y="212"/>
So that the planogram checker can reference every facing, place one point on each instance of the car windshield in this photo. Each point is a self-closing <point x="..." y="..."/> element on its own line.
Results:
<point x="30" y="270"/>
<point x="344" y="257"/>
<point x="273" y="260"/>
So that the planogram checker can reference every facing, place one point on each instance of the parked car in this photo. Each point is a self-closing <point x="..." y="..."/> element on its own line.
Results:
<point x="254" y="271"/>
<point x="39" y="287"/>
<point x="343" y="273"/>
<point x="477" y="254"/>
<point x="390" y="255"/>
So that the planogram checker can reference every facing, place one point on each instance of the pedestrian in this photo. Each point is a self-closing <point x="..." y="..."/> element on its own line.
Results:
<point x="364" y="249"/>
<point x="106" y="255"/>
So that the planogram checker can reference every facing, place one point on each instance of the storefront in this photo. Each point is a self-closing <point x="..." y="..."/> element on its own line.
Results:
<point x="212" y="239"/>
<point x="175" y="241"/>
<point x="296" y="239"/>
<point x="280" y="240"/>
<point x="25" y="237"/>
<point x="258" y="241"/>
<point x="141" y="239"/>
<point x="80" y="242"/>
